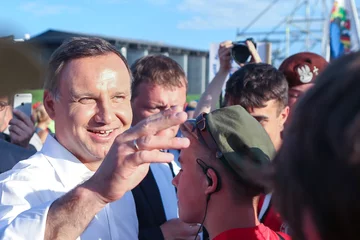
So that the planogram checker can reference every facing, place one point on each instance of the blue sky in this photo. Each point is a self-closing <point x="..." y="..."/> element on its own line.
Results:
<point x="188" y="23"/>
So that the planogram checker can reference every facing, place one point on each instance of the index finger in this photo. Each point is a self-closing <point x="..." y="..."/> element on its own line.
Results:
<point x="23" y="117"/>
<point x="155" y="123"/>
<point x="254" y="53"/>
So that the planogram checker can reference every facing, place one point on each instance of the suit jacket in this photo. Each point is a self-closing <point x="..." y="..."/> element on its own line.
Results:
<point x="11" y="154"/>
<point x="149" y="208"/>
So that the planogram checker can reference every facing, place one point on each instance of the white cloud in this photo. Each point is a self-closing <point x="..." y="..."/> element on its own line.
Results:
<point x="41" y="9"/>
<point x="230" y="14"/>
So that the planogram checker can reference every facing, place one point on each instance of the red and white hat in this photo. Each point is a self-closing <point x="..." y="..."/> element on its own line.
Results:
<point x="302" y="68"/>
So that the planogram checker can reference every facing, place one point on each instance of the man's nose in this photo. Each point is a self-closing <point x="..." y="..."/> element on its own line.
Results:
<point x="105" y="113"/>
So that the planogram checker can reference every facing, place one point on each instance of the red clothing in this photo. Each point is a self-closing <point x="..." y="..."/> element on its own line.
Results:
<point x="271" y="218"/>
<point x="260" y="232"/>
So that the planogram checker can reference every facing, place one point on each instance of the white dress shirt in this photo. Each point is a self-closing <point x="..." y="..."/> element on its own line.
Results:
<point x="28" y="190"/>
<point x="163" y="177"/>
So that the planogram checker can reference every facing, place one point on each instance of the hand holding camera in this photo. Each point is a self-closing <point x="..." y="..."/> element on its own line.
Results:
<point x="242" y="50"/>
<point x="239" y="51"/>
<point x="224" y="54"/>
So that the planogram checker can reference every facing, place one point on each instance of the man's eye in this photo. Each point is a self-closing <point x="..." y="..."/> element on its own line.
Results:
<point x="86" y="100"/>
<point x="153" y="109"/>
<point x="119" y="97"/>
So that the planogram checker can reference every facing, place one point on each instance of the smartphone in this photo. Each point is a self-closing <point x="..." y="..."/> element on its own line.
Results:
<point x="240" y="51"/>
<point x="23" y="103"/>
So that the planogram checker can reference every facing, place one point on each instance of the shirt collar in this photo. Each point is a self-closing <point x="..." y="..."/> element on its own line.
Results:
<point x="69" y="169"/>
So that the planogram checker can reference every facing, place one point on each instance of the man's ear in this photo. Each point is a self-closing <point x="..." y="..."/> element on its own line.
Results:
<point x="284" y="114"/>
<point x="49" y="102"/>
<point x="213" y="181"/>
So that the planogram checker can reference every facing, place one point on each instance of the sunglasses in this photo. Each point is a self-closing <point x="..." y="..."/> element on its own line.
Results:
<point x="202" y="132"/>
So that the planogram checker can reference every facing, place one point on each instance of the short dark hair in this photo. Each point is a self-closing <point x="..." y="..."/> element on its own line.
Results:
<point x="318" y="166"/>
<point x="256" y="83"/>
<point x="157" y="69"/>
<point x="74" y="48"/>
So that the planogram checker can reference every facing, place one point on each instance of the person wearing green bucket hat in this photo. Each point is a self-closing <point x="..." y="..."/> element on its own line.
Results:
<point x="221" y="177"/>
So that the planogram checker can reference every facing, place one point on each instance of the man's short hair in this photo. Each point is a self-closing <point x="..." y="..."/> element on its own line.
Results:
<point x="75" y="48"/>
<point x="158" y="70"/>
<point x="318" y="166"/>
<point x="256" y="83"/>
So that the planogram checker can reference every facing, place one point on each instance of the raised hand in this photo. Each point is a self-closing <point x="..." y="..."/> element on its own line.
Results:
<point x="128" y="160"/>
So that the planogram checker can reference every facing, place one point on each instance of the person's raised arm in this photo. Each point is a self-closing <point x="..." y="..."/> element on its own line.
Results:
<point x="211" y="95"/>
<point x="125" y="165"/>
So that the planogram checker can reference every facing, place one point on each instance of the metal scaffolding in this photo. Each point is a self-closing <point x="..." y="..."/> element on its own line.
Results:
<point x="292" y="33"/>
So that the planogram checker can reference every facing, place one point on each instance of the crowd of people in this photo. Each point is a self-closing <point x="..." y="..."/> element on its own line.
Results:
<point x="131" y="159"/>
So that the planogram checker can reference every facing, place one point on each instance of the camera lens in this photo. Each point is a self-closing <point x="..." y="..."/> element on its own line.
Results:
<point x="240" y="53"/>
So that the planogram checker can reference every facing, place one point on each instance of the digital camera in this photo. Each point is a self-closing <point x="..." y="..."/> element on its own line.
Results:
<point x="240" y="51"/>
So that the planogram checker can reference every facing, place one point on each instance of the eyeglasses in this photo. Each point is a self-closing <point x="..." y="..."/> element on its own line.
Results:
<point x="200" y="124"/>
<point x="3" y="105"/>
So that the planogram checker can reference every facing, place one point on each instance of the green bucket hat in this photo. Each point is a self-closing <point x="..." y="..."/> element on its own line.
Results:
<point x="237" y="138"/>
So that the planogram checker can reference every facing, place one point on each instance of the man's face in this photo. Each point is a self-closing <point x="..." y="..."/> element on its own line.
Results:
<point x="191" y="184"/>
<point x="5" y="113"/>
<point x="296" y="92"/>
<point x="152" y="99"/>
<point x="272" y="122"/>
<point x="93" y="105"/>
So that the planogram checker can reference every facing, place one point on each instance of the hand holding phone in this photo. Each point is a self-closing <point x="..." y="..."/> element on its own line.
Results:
<point x="21" y="127"/>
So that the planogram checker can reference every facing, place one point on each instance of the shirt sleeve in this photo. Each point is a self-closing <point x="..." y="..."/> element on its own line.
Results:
<point x="23" y="209"/>
<point x="29" y="224"/>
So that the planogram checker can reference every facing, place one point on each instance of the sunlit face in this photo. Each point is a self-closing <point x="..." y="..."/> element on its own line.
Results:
<point x="271" y="120"/>
<point x="5" y="113"/>
<point x="191" y="184"/>
<point x="152" y="99"/>
<point x="93" y="105"/>
<point x="296" y="92"/>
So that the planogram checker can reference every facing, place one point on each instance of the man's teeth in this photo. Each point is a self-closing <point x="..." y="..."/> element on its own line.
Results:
<point x="103" y="132"/>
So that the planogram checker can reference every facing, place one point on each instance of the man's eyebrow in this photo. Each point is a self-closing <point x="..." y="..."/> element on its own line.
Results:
<point x="157" y="103"/>
<point x="120" y="93"/>
<point x="81" y="93"/>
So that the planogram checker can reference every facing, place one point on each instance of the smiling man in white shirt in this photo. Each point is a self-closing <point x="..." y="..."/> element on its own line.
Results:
<point x="77" y="185"/>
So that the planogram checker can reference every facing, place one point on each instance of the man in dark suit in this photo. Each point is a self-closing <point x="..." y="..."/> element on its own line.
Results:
<point x="159" y="84"/>
<point x="11" y="154"/>
<point x="14" y="147"/>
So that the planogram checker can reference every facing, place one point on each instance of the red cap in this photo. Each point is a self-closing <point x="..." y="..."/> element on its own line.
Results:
<point x="302" y="68"/>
